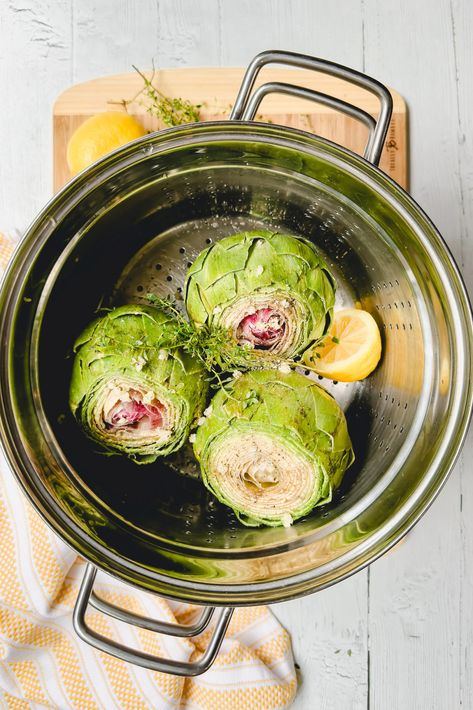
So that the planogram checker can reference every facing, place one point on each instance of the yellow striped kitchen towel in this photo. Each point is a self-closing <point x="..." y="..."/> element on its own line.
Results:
<point x="44" y="664"/>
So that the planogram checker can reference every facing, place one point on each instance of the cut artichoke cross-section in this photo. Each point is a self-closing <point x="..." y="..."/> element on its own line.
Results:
<point x="273" y="293"/>
<point x="274" y="446"/>
<point x="132" y="390"/>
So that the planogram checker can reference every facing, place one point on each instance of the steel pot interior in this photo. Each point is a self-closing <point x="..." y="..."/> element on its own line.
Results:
<point x="131" y="224"/>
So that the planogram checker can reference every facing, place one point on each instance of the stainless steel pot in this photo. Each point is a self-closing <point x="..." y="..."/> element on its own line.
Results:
<point x="131" y="223"/>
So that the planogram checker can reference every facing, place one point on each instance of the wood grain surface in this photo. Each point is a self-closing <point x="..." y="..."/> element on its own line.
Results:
<point x="400" y="635"/>
<point x="215" y="90"/>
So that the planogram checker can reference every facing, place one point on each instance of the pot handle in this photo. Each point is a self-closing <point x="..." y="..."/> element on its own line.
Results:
<point x="163" y="665"/>
<point x="245" y="106"/>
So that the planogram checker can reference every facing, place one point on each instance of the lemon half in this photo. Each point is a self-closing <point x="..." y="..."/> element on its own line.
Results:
<point x="351" y="349"/>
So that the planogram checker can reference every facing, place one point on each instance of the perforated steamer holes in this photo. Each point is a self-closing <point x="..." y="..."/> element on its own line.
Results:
<point x="161" y="266"/>
<point x="384" y="292"/>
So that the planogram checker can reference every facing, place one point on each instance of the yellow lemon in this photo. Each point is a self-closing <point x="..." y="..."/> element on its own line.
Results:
<point x="351" y="349"/>
<point x="98" y="136"/>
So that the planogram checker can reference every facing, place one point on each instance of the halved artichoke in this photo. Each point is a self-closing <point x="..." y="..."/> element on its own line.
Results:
<point x="272" y="292"/>
<point x="131" y="389"/>
<point x="273" y="446"/>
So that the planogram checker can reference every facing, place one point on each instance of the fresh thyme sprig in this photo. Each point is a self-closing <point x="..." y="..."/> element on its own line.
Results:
<point x="222" y="357"/>
<point x="172" y="112"/>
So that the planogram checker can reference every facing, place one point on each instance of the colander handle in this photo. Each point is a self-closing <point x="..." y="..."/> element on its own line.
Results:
<point x="163" y="665"/>
<point x="246" y="104"/>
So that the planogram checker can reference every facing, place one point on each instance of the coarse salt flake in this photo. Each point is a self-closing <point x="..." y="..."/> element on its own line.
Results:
<point x="192" y="438"/>
<point x="286" y="520"/>
<point x="259" y="270"/>
<point x="139" y="362"/>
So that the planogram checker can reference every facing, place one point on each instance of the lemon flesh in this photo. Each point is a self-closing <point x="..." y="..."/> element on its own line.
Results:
<point x="351" y="349"/>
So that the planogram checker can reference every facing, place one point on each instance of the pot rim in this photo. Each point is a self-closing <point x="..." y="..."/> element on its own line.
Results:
<point x="376" y="543"/>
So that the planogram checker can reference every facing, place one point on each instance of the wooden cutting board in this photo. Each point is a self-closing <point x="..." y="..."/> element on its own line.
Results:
<point x="216" y="90"/>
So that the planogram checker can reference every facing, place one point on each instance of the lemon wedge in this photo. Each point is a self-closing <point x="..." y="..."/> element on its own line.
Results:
<point x="99" y="135"/>
<point x="351" y="349"/>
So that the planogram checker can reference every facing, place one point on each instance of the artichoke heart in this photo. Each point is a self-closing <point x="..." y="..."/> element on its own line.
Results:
<point x="273" y="446"/>
<point x="272" y="292"/>
<point x="131" y="389"/>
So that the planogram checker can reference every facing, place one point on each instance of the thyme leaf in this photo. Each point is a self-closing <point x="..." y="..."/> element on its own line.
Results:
<point x="172" y="112"/>
<point x="222" y="357"/>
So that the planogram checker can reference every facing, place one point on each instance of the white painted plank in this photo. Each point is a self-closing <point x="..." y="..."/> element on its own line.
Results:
<point x="414" y="615"/>
<point x="414" y="605"/>
<point x="110" y="37"/>
<point x="462" y="136"/>
<point x="462" y="33"/>
<point x="35" y="51"/>
<point x="329" y="639"/>
<point x="188" y="33"/>
<point x="466" y="580"/>
<point x="332" y="30"/>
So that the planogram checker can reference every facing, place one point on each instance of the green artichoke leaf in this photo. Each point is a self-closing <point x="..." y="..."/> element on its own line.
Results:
<point x="272" y="446"/>
<point x="272" y="292"/>
<point x="132" y="390"/>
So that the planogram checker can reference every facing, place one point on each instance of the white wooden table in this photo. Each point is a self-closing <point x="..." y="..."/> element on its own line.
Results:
<point x="399" y="635"/>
